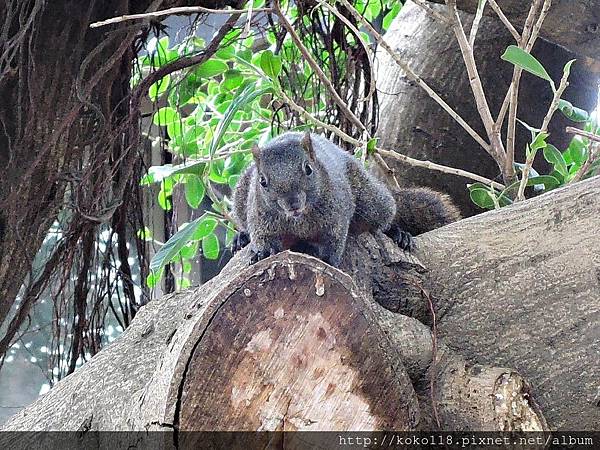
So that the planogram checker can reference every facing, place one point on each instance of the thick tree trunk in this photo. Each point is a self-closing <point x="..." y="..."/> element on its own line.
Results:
<point x="572" y="25"/>
<point x="282" y="344"/>
<point x="413" y="124"/>
<point x="521" y="287"/>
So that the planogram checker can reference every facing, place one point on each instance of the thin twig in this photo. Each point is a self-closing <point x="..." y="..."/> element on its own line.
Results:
<point x="585" y="134"/>
<point x="439" y="168"/>
<point x="564" y="82"/>
<point x="513" y="98"/>
<point x="415" y="78"/>
<point x="476" y="22"/>
<point x="362" y="42"/>
<point x="432" y="12"/>
<point x="246" y="31"/>
<point x="503" y="110"/>
<point x="309" y="117"/>
<point x="388" y="153"/>
<point x="173" y="11"/>
<point x="496" y="149"/>
<point x="505" y="20"/>
<point x="390" y="173"/>
<point x="538" y="25"/>
<point x="317" y="69"/>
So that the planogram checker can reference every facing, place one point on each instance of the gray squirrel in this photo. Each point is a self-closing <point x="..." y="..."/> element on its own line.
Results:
<point x="304" y="193"/>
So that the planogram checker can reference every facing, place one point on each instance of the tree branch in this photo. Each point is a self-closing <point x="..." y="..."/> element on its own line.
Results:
<point x="505" y="20"/>
<point x="173" y="11"/>
<point x="564" y="82"/>
<point x="513" y="98"/>
<point x="415" y="78"/>
<point x="313" y="64"/>
<point x="496" y="149"/>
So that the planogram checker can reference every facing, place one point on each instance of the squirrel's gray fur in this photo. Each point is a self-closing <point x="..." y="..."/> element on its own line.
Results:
<point x="313" y="213"/>
<point x="308" y="208"/>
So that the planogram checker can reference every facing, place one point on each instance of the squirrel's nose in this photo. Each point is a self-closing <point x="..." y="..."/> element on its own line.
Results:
<point x="294" y="203"/>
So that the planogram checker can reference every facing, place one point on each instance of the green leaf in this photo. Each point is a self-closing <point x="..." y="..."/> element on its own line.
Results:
<point x="525" y="61"/>
<point x="226" y="53"/>
<point x="555" y="157"/>
<point x="390" y="16"/>
<point x="210" y="246"/>
<point x="573" y="113"/>
<point x="232" y="79"/>
<point x="174" y="245"/>
<point x="559" y="176"/>
<point x="577" y="151"/>
<point x="189" y="250"/>
<point x="205" y="227"/>
<point x="229" y="234"/>
<point x="481" y="196"/>
<point x="210" y="68"/>
<point x="270" y="64"/>
<point x="191" y="136"/>
<point x="373" y="10"/>
<point x="232" y="181"/>
<point x="157" y="174"/>
<point x="144" y="234"/>
<point x="194" y="191"/>
<point x="371" y="145"/>
<point x="567" y="68"/>
<point x="174" y="129"/>
<point x="165" y="116"/>
<point x="242" y="99"/>
<point x="153" y="278"/>
<point x="539" y="141"/>
<point x="159" y="88"/>
<point x="164" y="200"/>
<point x="548" y="182"/>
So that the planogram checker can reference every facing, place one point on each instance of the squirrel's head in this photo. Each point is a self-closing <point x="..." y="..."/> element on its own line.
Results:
<point x="288" y="173"/>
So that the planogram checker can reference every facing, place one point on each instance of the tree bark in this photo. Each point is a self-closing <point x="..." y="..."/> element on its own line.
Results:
<point x="414" y="125"/>
<point x="572" y="25"/>
<point x="281" y="344"/>
<point x="521" y="287"/>
<point x="289" y="344"/>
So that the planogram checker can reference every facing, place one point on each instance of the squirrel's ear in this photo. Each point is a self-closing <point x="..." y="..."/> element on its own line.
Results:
<point x="307" y="145"/>
<point x="256" y="152"/>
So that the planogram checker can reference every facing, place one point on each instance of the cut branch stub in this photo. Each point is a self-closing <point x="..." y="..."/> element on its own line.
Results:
<point x="294" y="348"/>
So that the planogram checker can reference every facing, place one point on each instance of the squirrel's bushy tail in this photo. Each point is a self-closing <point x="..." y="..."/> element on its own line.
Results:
<point x="419" y="210"/>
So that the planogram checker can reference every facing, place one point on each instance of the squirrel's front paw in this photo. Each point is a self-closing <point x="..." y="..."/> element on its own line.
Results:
<point x="403" y="239"/>
<point x="258" y="254"/>
<point x="240" y="240"/>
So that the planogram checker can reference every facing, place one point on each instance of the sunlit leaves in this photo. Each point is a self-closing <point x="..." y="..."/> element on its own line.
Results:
<point x="194" y="191"/>
<point x="159" y="88"/>
<point x="165" y="116"/>
<point x="270" y="64"/>
<point x="210" y="246"/>
<point x="210" y="68"/>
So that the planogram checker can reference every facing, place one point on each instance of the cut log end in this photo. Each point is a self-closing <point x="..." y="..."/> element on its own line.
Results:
<point x="294" y="349"/>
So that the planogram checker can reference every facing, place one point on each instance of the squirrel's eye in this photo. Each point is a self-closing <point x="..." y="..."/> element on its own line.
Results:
<point x="307" y="169"/>
<point x="263" y="181"/>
